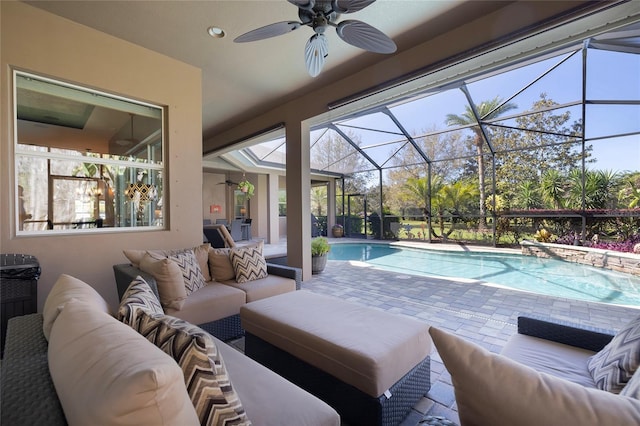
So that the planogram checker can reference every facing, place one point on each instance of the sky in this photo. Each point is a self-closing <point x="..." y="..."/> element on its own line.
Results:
<point x="562" y="85"/>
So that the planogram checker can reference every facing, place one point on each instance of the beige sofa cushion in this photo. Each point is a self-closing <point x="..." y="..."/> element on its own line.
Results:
<point x="493" y="390"/>
<point x="169" y="280"/>
<point x="270" y="399"/>
<point x="220" y="265"/>
<point x="105" y="373"/>
<point x="366" y="348"/>
<point x="570" y="363"/>
<point x="66" y="288"/>
<point x="212" y="302"/>
<point x="262" y="288"/>
<point x="205" y="375"/>
<point x="135" y="256"/>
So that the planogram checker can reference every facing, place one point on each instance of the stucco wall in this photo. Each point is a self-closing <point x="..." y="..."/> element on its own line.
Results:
<point x="38" y="42"/>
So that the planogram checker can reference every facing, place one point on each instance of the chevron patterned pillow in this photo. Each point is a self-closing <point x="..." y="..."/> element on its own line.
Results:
<point x="248" y="263"/>
<point x="190" y="268"/>
<point x="137" y="296"/>
<point x="205" y="374"/>
<point x="632" y="389"/>
<point x="613" y="366"/>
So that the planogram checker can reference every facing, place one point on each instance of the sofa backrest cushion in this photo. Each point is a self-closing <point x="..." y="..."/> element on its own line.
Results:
<point x="169" y="280"/>
<point x="201" y="252"/>
<point x="205" y="375"/>
<point x="220" y="265"/>
<point x="106" y="373"/>
<point x="491" y="389"/>
<point x="137" y="296"/>
<point x="613" y="366"/>
<point x="66" y="288"/>
<point x="248" y="263"/>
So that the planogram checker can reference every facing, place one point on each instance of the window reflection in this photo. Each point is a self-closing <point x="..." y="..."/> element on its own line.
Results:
<point x="84" y="159"/>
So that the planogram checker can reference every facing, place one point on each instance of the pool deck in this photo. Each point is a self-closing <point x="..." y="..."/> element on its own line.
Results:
<point x="483" y="314"/>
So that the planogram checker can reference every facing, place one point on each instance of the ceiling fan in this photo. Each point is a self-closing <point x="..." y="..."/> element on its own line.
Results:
<point x="320" y="14"/>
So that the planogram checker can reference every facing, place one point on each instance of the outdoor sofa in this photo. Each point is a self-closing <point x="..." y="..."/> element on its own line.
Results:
<point x="215" y="305"/>
<point x="76" y="363"/>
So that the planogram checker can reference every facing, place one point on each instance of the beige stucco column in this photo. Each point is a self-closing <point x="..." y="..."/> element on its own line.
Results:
<point x="273" y="231"/>
<point x="298" y="199"/>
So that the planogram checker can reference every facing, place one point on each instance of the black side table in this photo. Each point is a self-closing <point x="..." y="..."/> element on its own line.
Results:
<point x="19" y="275"/>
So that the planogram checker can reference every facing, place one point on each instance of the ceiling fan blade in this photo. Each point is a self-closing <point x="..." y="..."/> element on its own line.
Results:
<point x="303" y="4"/>
<point x="315" y="53"/>
<point x="364" y="36"/>
<point x="272" y="30"/>
<point x="349" y="6"/>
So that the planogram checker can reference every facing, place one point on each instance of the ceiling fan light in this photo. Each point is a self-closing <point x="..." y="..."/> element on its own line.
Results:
<point x="315" y="53"/>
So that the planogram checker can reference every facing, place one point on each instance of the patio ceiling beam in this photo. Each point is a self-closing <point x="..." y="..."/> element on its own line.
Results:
<point x="354" y="145"/>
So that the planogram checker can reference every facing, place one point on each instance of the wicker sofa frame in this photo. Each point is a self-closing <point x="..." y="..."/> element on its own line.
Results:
<point x="225" y="329"/>
<point x="590" y="338"/>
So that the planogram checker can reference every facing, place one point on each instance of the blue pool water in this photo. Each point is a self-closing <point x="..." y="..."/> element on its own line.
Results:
<point x="527" y="273"/>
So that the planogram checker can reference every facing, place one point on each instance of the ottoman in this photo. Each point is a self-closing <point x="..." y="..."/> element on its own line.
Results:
<point x="371" y="366"/>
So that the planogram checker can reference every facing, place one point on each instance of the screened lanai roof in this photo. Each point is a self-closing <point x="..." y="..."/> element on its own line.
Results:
<point x="594" y="83"/>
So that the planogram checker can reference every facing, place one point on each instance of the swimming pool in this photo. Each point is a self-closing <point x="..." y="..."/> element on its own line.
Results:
<point x="526" y="273"/>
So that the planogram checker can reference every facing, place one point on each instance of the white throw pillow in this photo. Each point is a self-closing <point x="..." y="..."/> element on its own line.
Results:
<point x="107" y="374"/>
<point x="494" y="390"/>
<point x="65" y="289"/>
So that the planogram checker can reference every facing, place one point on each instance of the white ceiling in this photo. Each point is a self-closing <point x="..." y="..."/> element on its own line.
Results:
<point x="240" y="80"/>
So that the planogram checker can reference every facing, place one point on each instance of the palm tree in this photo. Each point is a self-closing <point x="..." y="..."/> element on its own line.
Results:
<point x="486" y="111"/>
<point x="552" y="188"/>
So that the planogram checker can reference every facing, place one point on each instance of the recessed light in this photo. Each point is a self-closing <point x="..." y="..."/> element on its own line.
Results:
<point x="216" y="32"/>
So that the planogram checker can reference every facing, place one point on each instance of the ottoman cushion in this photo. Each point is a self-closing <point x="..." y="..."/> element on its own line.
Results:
<point x="369" y="349"/>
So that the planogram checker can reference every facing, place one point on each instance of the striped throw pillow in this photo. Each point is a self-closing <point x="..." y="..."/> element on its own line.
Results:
<point x="190" y="268"/>
<point x="613" y="366"/>
<point x="248" y="263"/>
<point x="205" y="374"/>
<point x="137" y="296"/>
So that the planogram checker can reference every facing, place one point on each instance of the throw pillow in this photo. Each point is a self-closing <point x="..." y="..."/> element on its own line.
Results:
<point x="201" y="252"/>
<point x="205" y="375"/>
<point x="66" y="288"/>
<point x="190" y="269"/>
<point x="248" y="263"/>
<point x="632" y="389"/>
<point x="105" y="373"/>
<point x="613" y="366"/>
<point x="137" y="296"/>
<point x="220" y="264"/>
<point x="491" y="389"/>
<point x="168" y="279"/>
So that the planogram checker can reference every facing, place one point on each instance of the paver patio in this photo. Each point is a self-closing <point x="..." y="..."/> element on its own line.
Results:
<point x="483" y="314"/>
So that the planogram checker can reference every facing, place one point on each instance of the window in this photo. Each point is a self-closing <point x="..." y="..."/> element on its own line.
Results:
<point x="85" y="160"/>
